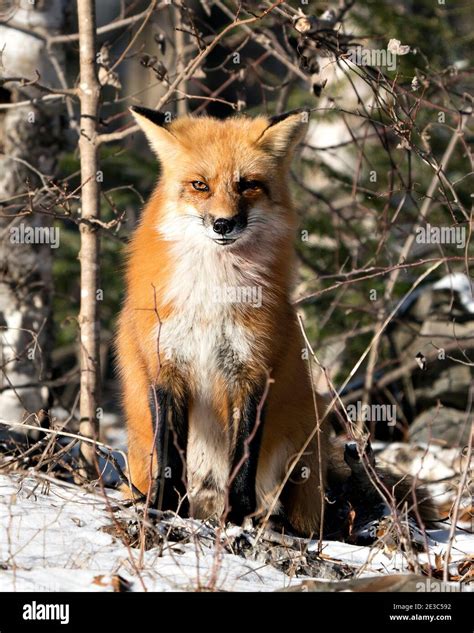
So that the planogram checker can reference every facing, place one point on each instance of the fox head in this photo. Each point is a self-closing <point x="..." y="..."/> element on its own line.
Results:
<point x="224" y="182"/>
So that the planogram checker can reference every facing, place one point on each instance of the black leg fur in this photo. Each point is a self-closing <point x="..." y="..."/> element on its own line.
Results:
<point x="171" y="417"/>
<point x="351" y="489"/>
<point x="242" y="492"/>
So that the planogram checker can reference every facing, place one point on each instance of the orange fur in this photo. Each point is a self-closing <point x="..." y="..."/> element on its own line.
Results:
<point x="255" y="340"/>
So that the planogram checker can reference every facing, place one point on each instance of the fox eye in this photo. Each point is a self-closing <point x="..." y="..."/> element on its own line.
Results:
<point x="250" y="186"/>
<point x="199" y="185"/>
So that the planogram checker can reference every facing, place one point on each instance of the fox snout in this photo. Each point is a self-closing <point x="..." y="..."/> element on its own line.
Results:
<point x="226" y="227"/>
<point x="222" y="226"/>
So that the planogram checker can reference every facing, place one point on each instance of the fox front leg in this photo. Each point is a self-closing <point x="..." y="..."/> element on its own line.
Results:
<point x="247" y="426"/>
<point x="170" y="425"/>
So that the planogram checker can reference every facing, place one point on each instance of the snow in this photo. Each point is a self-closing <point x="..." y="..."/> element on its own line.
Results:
<point x="52" y="538"/>
<point x="375" y="560"/>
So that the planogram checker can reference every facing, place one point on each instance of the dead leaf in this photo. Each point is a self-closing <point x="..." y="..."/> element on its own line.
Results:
<point x="99" y="580"/>
<point x="120" y="584"/>
<point x="397" y="48"/>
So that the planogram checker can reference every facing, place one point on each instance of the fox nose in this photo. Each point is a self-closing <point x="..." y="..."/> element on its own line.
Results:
<point x="223" y="225"/>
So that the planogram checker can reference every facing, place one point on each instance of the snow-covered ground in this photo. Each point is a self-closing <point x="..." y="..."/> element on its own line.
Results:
<point x="58" y="537"/>
<point x="52" y="538"/>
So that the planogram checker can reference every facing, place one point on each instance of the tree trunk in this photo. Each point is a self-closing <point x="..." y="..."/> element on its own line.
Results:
<point x="29" y="143"/>
<point x="89" y="91"/>
<point x="180" y="59"/>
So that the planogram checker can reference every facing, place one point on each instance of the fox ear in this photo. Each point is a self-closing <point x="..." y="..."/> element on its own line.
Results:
<point x="284" y="132"/>
<point x="154" y="125"/>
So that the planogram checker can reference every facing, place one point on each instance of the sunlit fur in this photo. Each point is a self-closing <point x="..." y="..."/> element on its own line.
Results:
<point x="173" y="322"/>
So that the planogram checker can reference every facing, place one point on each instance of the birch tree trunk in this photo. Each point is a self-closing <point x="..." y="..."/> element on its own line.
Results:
<point x="29" y="143"/>
<point x="89" y="91"/>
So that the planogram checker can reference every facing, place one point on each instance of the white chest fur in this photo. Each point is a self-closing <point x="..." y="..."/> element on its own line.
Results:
<point x="202" y="332"/>
<point x="206" y="290"/>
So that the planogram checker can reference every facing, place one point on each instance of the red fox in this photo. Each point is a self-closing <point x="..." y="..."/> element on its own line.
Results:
<point x="217" y="394"/>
